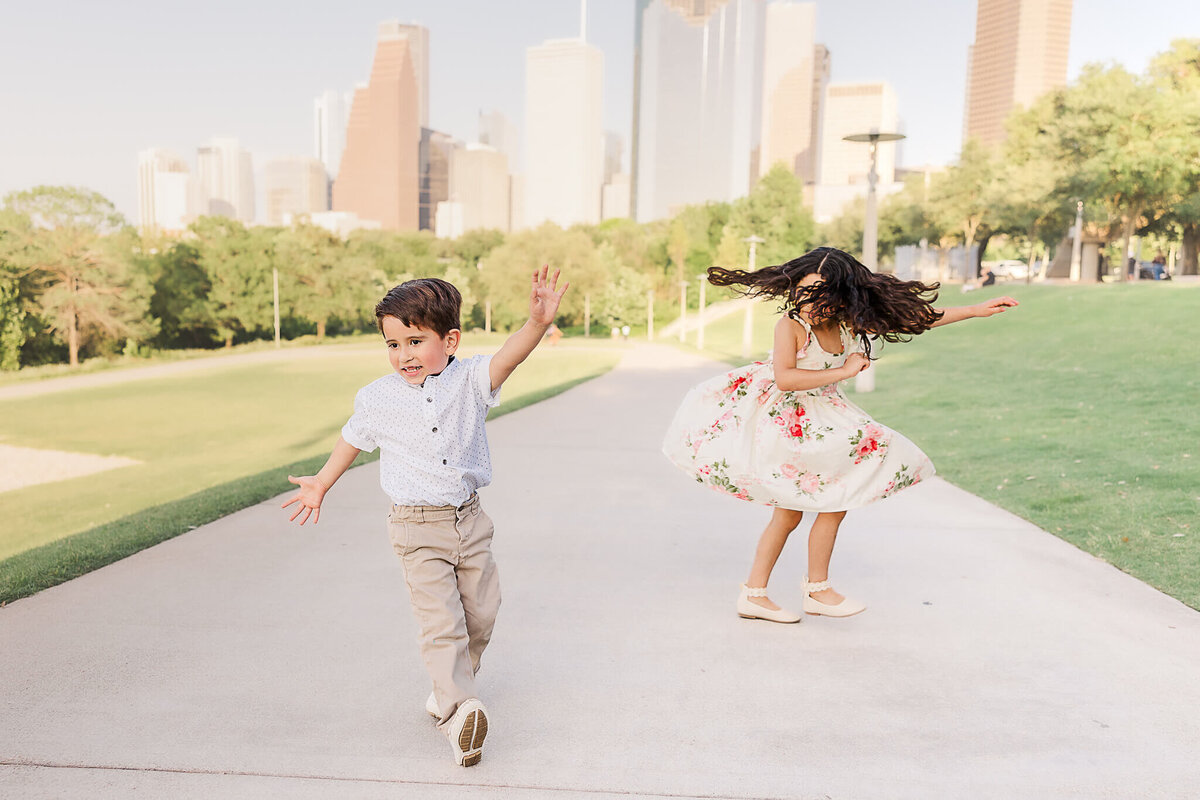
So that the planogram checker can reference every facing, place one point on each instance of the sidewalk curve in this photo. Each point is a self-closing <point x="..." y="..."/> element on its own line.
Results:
<point x="253" y="659"/>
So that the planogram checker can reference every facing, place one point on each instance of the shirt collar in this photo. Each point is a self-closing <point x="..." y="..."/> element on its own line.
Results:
<point x="451" y="365"/>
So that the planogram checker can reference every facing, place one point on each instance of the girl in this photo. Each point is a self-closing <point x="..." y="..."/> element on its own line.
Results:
<point x="783" y="434"/>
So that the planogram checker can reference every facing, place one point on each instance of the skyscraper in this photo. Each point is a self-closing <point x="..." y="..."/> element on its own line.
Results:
<point x="294" y="186"/>
<point x="1020" y="53"/>
<point x="329" y="129"/>
<point x="379" y="175"/>
<point x="480" y="184"/>
<point x="564" y="158"/>
<point x="795" y="69"/>
<point x="496" y="130"/>
<point x="854" y="108"/>
<point x="437" y="149"/>
<point x="164" y="192"/>
<point x="697" y="117"/>
<point x="418" y="43"/>
<point x="224" y="185"/>
<point x="614" y="154"/>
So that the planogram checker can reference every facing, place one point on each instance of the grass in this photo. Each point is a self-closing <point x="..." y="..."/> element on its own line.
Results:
<point x="1075" y="411"/>
<point x="211" y="442"/>
<point x="123" y="362"/>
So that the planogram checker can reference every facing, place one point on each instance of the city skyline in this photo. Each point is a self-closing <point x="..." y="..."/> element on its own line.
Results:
<point x="83" y="116"/>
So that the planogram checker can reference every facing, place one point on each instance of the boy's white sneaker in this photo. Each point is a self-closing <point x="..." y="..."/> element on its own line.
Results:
<point x="432" y="707"/>
<point x="466" y="731"/>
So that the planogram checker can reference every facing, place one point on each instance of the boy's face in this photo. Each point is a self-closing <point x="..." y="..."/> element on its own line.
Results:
<point x="416" y="352"/>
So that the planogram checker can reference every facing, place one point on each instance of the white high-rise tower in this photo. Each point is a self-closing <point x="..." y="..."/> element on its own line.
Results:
<point x="164" y="192"/>
<point x="564" y="156"/>
<point x="224" y="180"/>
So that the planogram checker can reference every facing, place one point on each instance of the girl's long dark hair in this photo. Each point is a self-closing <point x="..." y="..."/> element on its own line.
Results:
<point x="872" y="304"/>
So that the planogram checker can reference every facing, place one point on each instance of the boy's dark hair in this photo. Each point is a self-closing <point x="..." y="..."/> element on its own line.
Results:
<point x="429" y="303"/>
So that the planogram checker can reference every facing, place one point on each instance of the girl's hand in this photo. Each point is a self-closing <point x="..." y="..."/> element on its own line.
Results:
<point x="994" y="306"/>
<point x="856" y="363"/>
<point x="545" y="296"/>
<point x="311" y="493"/>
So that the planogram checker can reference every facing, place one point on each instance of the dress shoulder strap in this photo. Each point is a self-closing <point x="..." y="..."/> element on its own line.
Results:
<point x="808" y="334"/>
<point x="803" y="322"/>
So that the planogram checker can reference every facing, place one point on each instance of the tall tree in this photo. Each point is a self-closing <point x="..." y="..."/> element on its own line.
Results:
<point x="774" y="211"/>
<point x="506" y="272"/>
<point x="692" y="239"/>
<point x="75" y="248"/>
<point x="180" y="300"/>
<point x="965" y="195"/>
<point x="1120" y="139"/>
<point x="12" y="305"/>
<point x="320" y="279"/>
<point x="237" y="262"/>
<point x="1177" y="74"/>
<point x="1033" y="201"/>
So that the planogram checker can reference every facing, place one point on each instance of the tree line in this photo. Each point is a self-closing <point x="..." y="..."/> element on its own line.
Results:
<point x="1127" y="146"/>
<point x="77" y="281"/>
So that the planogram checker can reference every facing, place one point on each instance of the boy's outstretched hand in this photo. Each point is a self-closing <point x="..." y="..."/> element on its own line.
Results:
<point x="994" y="306"/>
<point x="311" y="493"/>
<point x="545" y="296"/>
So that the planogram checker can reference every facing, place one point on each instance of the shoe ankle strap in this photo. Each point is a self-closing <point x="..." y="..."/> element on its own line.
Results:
<point x="819" y="586"/>
<point x="760" y="591"/>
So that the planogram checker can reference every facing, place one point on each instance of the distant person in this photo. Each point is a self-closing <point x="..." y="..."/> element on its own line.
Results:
<point x="428" y="420"/>
<point x="986" y="278"/>
<point x="553" y="334"/>
<point x="783" y="434"/>
<point x="1158" y="267"/>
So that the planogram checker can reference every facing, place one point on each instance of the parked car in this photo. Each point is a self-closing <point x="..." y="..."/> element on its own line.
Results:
<point x="1011" y="269"/>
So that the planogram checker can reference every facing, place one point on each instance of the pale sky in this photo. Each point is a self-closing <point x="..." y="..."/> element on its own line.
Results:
<point x="85" y="85"/>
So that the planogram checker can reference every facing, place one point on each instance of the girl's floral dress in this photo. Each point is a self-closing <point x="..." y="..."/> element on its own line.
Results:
<point x="810" y="450"/>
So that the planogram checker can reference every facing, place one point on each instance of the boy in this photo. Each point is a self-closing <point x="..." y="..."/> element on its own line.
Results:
<point x="427" y="418"/>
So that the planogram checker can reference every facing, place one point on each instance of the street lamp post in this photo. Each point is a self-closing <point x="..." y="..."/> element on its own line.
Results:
<point x="871" y="223"/>
<point x="1077" y="244"/>
<point x="682" y="309"/>
<point x="700" y="315"/>
<point x="748" y="321"/>
<point x="275" y="301"/>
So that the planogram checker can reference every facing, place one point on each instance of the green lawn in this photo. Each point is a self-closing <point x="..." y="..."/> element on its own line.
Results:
<point x="1075" y="411"/>
<point x="123" y="362"/>
<point x="211" y="441"/>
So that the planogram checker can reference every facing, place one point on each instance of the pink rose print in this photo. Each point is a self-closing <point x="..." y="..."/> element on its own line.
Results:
<point x="789" y="471"/>
<point x="809" y="483"/>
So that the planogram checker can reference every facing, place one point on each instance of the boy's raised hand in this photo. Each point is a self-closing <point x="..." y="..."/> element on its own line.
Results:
<point x="311" y="493"/>
<point x="545" y="296"/>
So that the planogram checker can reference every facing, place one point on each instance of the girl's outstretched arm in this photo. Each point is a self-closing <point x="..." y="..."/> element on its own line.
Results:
<point x="985" y="309"/>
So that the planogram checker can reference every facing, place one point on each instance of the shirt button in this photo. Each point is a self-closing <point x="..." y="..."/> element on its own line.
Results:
<point x="435" y="430"/>
<point x="443" y="461"/>
<point x="428" y="399"/>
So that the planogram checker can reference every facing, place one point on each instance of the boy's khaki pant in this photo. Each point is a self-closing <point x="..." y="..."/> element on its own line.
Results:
<point x="455" y="591"/>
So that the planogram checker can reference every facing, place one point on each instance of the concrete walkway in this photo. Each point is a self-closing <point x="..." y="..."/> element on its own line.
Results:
<point x="250" y="659"/>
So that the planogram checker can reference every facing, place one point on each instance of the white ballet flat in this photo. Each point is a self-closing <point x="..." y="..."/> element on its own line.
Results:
<point x="846" y="608"/>
<point x="748" y="610"/>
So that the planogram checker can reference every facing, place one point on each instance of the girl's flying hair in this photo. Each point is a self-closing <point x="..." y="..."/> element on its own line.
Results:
<point x="874" y="305"/>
